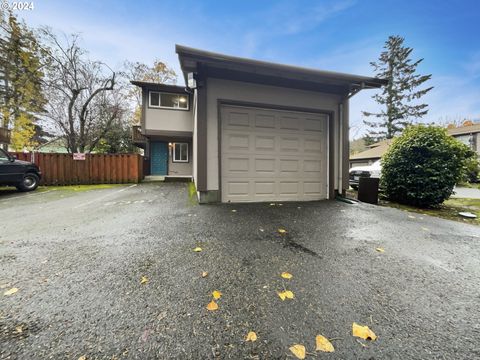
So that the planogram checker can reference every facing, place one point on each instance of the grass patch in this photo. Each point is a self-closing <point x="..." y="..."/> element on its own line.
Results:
<point x="448" y="210"/>
<point x="192" y="193"/>
<point x="80" y="188"/>
<point x="73" y="188"/>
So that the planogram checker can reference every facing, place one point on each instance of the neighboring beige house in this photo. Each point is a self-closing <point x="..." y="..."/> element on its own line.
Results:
<point x="469" y="135"/>
<point x="250" y="131"/>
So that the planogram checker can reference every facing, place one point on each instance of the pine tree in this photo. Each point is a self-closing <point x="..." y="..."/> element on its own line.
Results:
<point x="21" y="96"/>
<point x="399" y="98"/>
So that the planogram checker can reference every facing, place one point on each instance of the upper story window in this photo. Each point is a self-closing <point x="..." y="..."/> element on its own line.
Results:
<point x="168" y="100"/>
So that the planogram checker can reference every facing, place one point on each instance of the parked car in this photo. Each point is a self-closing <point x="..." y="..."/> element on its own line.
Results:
<point x="24" y="175"/>
<point x="374" y="170"/>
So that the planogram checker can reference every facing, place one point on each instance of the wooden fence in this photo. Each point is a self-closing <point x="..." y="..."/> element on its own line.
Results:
<point x="61" y="169"/>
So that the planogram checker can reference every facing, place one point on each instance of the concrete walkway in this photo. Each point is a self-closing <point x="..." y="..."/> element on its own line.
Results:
<point x="462" y="192"/>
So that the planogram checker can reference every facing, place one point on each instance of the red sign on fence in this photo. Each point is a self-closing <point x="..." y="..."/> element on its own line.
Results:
<point x="78" y="156"/>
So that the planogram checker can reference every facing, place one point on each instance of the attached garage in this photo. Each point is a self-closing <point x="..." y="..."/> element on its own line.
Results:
<point x="272" y="155"/>
<point x="267" y="132"/>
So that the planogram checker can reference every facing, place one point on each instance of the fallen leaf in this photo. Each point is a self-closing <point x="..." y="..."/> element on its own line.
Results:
<point x="323" y="344"/>
<point x="425" y="229"/>
<point x="144" y="280"/>
<point x="286" y="275"/>
<point x="10" y="292"/>
<point x="197" y="249"/>
<point x="261" y="230"/>
<point x="19" y="329"/>
<point x="83" y="357"/>
<point x="298" y="350"/>
<point x="380" y="250"/>
<point x="411" y="216"/>
<point x="204" y="274"/>
<point x="282" y="231"/>
<point x="217" y="294"/>
<point x="212" y="305"/>
<point x="363" y="332"/>
<point x="251" y="336"/>
<point x="287" y="294"/>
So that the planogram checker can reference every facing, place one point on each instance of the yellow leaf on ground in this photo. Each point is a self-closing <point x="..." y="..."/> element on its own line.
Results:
<point x="144" y="280"/>
<point x="251" y="336"/>
<point x="83" y="357"/>
<point x="212" y="305"/>
<point x="197" y="249"/>
<point x="10" y="292"/>
<point x="323" y="344"/>
<point x="19" y="329"/>
<point x="217" y="294"/>
<point x="282" y="231"/>
<point x="286" y="275"/>
<point x="204" y="274"/>
<point x="287" y="294"/>
<point x="363" y="332"/>
<point x="379" y="249"/>
<point x="298" y="350"/>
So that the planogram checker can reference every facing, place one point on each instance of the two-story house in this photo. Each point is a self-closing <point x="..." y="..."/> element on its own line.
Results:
<point x="248" y="130"/>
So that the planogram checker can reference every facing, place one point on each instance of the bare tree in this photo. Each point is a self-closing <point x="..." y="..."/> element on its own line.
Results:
<point x="82" y="103"/>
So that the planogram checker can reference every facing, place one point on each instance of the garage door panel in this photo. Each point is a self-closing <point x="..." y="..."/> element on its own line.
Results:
<point x="238" y="119"/>
<point x="264" y="188"/>
<point x="289" y="165"/>
<point x="265" y="166"/>
<point x="238" y="188"/>
<point x="289" y="188"/>
<point x="279" y="156"/>
<point x="238" y="164"/>
<point x="313" y="125"/>
<point x="312" y="165"/>
<point x="312" y="145"/>
<point x="265" y="121"/>
<point x="238" y="142"/>
<point x="265" y="143"/>
<point x="289" y="144"/>
<point x="289" y="123"/>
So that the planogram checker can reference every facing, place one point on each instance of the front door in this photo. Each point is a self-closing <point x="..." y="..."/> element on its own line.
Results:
<point x="158" y="158"/>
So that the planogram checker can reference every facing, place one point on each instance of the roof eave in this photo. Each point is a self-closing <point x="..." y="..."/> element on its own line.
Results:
<point x="195" y="56"/>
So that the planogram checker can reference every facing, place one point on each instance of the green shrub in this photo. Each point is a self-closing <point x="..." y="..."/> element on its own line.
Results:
<point x="422" y="166"/>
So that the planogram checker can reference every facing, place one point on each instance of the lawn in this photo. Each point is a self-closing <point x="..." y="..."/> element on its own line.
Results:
<point x="448" y="210"/>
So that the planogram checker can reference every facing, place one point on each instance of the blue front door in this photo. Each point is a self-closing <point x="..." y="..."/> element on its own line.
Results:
<point x="158" y="158"/>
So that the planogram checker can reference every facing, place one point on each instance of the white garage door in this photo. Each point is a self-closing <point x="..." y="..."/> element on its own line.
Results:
<point x="272" y="155"/>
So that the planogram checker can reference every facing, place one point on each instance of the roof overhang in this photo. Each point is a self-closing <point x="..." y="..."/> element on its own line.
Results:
<point x="159" y="87"/>
<point x="249" y="70"/>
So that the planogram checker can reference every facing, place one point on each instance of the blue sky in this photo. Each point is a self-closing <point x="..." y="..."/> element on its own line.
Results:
<point x="342" y="35"/>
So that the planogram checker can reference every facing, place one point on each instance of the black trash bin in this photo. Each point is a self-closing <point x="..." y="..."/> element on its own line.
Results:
<point x="368" y="190"/>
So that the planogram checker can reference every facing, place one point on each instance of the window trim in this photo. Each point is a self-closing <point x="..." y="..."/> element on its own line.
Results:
<point x="173" y="151"/>
<point x="167" y="107"/>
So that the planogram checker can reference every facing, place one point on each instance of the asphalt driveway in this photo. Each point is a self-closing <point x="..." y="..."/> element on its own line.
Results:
<point x="77" y="260"/>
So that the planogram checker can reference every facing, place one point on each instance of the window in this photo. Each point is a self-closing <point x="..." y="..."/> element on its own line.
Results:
<point x="168" y="100"/>
<point x="180" y="152"/>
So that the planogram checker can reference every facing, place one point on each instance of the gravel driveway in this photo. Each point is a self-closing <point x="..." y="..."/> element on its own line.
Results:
<point x="77" y="260"/>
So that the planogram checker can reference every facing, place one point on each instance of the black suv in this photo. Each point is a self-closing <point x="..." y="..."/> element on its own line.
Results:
<point x="24" y="175"/>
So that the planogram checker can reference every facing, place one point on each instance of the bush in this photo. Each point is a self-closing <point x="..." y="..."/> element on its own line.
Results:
<point x="422" y="166"/>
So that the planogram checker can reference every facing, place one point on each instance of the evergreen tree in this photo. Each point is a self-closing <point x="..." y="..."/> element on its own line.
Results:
<point x="399" y="98"/>
<point x="21" y="96"/>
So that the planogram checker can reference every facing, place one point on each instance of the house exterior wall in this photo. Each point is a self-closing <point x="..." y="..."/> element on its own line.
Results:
<point x="168" y="120"/>
<point x="220" y="89"/>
